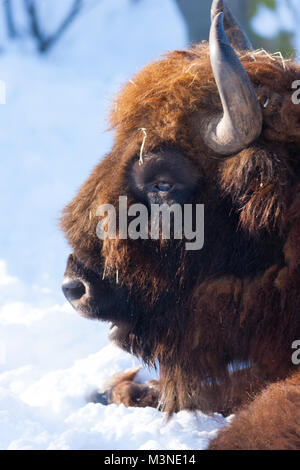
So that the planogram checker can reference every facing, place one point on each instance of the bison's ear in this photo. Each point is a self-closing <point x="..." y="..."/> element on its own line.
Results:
<point x="235" y="33"/>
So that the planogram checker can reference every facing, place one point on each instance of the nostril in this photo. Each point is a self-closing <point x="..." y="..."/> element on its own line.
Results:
<point x="73" y="290"/>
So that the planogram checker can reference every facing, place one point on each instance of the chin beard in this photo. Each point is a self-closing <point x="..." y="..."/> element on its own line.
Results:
<point x="124" y="336"/>
<point x="121" y="335"/>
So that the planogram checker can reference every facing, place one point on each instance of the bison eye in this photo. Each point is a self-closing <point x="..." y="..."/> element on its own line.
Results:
<point x="161" y="187"/>
<point x="165" y="175"/>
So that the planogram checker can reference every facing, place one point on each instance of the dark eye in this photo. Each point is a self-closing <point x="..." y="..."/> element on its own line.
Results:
<point x="166" y="176"/>
<point x="161" y="187"/>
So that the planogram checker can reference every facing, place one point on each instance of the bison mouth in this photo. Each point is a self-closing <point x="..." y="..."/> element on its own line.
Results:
<point x="90" y="295"/>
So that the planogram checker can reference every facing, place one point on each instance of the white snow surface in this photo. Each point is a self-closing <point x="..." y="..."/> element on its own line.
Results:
<point x="52" y="133"/>
<point x="51" y="360"/>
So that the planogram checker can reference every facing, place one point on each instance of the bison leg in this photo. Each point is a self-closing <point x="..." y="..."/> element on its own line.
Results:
<point x="270" y="422"/>
<point x="122" y="389"/>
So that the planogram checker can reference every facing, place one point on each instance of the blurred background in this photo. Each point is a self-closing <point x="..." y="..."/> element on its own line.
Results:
<point x="62" y="62"/>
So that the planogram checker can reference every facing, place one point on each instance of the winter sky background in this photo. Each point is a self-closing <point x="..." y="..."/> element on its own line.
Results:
<point x="52" y="133"/>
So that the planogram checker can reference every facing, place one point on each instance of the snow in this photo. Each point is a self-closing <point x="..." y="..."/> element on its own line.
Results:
<point x="5" y="278"/>
<point x="52" y="133"/>
<point x="51" y="360"/>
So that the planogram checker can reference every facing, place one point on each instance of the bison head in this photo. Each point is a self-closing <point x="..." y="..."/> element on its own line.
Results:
<point x="213" y="125"/>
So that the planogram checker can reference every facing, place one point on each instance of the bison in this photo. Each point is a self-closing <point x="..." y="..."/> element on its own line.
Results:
<point x="218" y="125"/>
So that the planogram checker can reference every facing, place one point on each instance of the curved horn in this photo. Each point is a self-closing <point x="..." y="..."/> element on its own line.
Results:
<point x="235" y="33"/>
<point x="241" y="120"/>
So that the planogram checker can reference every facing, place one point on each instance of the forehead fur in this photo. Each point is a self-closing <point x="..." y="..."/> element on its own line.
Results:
<point x="169" y="99"/>
<point x="166" y="94"/>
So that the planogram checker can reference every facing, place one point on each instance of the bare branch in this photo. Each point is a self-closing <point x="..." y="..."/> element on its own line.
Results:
<point x="45" y="43"/>
<point x="10" y="23"/>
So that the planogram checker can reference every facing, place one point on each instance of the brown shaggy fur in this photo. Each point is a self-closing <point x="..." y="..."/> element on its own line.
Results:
<point x="122" y="389"/>
<point x="236" y="300"/>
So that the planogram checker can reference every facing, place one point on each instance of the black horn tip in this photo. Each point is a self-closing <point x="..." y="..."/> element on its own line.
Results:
<point x="217" y="34"/>
<point x="216" y="7"/>
<point x="235" y="33"/>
